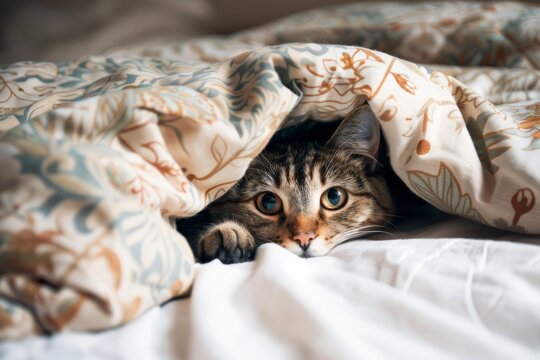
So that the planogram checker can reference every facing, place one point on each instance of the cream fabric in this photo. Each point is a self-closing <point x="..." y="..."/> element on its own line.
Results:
<point x="429" y="296"/>
<point x="99" y="155"/>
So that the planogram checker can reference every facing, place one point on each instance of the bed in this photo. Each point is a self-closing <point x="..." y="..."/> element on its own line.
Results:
<point x="102" y="153"/>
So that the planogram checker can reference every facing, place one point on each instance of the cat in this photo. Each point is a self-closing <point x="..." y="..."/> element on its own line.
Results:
<point x="306" y="191"/>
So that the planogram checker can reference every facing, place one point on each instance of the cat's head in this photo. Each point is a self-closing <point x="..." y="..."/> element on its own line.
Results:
<point x="309" y="196"/>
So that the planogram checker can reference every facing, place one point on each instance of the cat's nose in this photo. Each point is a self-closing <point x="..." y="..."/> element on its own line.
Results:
<point x="304" y="239"/>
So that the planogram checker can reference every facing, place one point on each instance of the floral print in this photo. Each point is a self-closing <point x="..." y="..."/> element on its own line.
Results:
<point x="99" y="155"/>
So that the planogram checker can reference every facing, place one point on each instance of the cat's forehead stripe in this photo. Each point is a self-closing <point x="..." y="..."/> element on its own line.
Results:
<point x="297" y="170"/>
<point x="323" y="170"/>
<point x="289" y="166"/>
<point x="276" y="176"/>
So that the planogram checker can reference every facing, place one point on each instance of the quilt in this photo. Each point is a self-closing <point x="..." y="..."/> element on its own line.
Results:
<point x="100" y="154"/>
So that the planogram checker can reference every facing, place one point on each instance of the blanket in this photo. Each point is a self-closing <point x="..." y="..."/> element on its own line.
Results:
<point x="100" y="154"/>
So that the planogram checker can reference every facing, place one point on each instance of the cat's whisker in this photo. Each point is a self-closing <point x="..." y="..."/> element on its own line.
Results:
<point x="350" y="234"/>
<point x="390" y="215"/>
<point x="263" y="172"/>
<point x="361" y="235"/>
<point x="379" y="227"/>
<point x="264" y="158"/>
<point x="392" y="227"/>
<point x="384" y="232"/>
<point x="359" y="232"/>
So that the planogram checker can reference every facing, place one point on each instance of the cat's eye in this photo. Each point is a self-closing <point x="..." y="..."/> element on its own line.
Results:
<point x="268" y="203"/>
<point x="334" y="198"/>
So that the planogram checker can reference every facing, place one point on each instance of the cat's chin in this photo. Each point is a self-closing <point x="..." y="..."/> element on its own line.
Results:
<point x="316" y="249"/>
<point x="315" y="252"/>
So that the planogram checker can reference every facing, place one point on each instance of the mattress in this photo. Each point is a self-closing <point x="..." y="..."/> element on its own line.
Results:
<point x="102" y="153"/>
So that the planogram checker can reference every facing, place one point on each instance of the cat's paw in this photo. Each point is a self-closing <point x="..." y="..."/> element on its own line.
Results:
<point x="229" y="242"/>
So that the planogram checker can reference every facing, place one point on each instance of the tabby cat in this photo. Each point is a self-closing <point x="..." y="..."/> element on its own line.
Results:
<point x="307" y="196"/>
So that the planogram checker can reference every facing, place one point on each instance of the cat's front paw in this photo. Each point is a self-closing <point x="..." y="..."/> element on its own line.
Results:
<point x="229" y="242"/>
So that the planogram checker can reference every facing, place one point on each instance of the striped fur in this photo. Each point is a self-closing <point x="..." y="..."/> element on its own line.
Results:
<point x="298" y="173"/>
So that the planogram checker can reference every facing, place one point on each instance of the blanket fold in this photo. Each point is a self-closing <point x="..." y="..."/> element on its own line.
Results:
<point x="100" y="154"/>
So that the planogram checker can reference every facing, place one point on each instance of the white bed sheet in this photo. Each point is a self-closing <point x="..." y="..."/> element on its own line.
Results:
<point x="429" y="296"/>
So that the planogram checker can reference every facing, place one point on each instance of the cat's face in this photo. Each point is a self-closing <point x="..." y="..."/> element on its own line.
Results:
<point x="307" y="198"/>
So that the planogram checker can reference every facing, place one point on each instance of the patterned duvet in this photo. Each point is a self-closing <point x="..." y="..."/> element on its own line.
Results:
<point x="99" y="155"/>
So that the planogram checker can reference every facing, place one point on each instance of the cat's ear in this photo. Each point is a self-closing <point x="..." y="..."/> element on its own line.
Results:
<point x="358" y="134"/>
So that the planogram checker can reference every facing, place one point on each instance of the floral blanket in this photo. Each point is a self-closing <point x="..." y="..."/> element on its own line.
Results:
<point x="99" y="155"/>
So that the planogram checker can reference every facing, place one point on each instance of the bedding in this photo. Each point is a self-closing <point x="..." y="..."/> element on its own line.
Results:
<point x="99" y="155"/>
<point x="429" y="296"/>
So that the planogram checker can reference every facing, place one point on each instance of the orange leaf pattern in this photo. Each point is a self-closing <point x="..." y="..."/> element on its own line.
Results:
<point x="99" y="155"/>
<point x="404" y="83"/>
